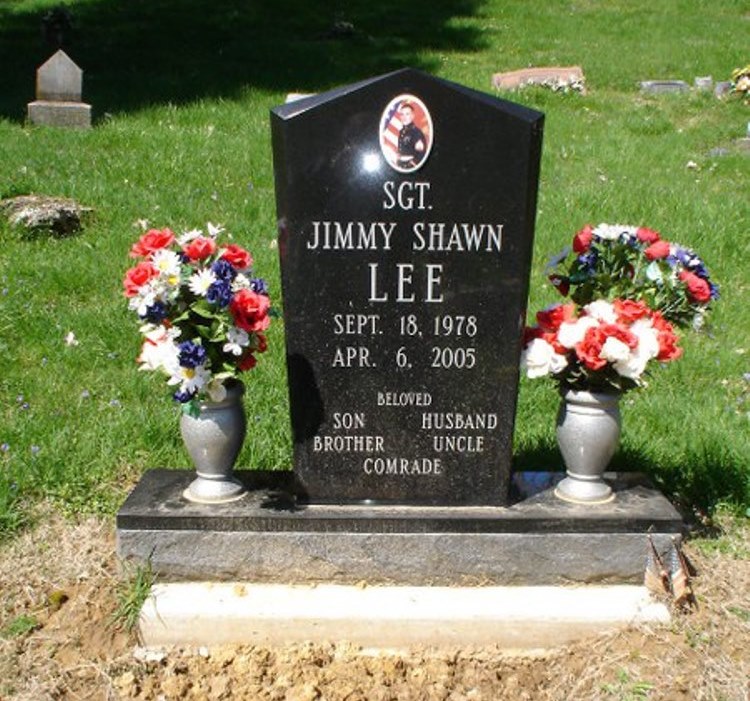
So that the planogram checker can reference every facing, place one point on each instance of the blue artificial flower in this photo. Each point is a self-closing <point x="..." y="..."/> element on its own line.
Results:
<point x="683" y="255"/>
<point x="259" y="286"/>
<point x="714" y="290"/>
<point x="156" y="313"/>
<point x="588" y="260"/>
<point x="183" y="397"/>
<point x="224" y="270"/>
<point x="220" y="293"/>
<point x="629" y="239"/>
<point x="191" y="355"/>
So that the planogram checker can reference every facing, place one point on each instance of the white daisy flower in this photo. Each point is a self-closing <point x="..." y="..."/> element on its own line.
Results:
<point x="190" y="379"/>
<point x="168" y="264"/>
<point x="201" y="281"/>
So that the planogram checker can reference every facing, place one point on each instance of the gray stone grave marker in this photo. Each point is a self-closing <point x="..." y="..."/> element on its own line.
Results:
<point x="59" y="88"/>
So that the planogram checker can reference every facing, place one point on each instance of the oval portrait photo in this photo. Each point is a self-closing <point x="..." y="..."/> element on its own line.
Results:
<point x="406" y="133"/>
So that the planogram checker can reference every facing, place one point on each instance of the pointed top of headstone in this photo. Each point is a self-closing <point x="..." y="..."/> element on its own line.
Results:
<point x="59" y="79"/>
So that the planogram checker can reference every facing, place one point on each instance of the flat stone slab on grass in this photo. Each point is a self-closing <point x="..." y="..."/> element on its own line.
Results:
<point x="519" y="618"/>
<point x="659" y="87"/>
<point x="40" y="214"/>
<point x="546" y="76"/>
<point x="266" y="537"/>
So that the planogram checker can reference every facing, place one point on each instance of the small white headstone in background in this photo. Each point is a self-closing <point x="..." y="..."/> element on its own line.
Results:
<point x="59" y="86"/>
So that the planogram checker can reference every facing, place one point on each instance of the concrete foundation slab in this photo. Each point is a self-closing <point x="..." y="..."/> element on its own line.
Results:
<point x="522" y="618"/>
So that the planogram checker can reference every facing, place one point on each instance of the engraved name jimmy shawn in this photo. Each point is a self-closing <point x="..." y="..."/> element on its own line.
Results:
<point x="425" y="333"/>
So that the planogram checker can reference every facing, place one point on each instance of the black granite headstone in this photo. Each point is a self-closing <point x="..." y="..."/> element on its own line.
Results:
<point x="406" y="209"/>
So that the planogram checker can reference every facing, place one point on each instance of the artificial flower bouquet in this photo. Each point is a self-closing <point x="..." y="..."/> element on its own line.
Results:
<point x="627" y="262"/>
<point x="741" y="81"/>
<point x="600" y="347"/>
<point x="203" y="311"/>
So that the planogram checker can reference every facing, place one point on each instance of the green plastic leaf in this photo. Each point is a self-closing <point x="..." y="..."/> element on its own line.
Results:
<point x="191" y="408"/>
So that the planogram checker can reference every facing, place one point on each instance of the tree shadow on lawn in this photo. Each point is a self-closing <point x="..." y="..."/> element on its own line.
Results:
<point x="145" y="52"/>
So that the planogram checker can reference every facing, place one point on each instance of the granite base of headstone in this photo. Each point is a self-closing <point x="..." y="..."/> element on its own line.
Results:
<point x="268" y="537"/>
<point x="58" y="102"/>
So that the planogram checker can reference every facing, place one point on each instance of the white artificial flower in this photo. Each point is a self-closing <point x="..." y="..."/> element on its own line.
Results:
<point x="168" y="264"/>
<point x="214" y="229"/>
<point x="158" y="333"/>
<point x="190" y="379"/>
<point x="612" y="232"/>
<point x="240" y="282"/>
<point x="162" y="355"/>
<point x="216" y="390"/>
<point x="70" y="339"/>
<point x="201" y="281"/>
<point x="189" y="236"/>
<point x="648" y="337"/>
<point x="539" y="359"/>
<point x="571" y="333"/>
<point x="602" y="310"/>
<point x="634" y="365"/>
<point x="237" y="339"/>
<point x="653" y="272"/>
<point x="614" y="350"/>
<point x="145" y="298"/>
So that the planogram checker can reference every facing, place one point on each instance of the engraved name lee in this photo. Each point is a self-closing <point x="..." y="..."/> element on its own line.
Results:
<point x="407" y="284"/>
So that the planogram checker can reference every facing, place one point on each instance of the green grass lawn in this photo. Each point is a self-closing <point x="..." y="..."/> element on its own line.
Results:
<point x="181" y="93"/>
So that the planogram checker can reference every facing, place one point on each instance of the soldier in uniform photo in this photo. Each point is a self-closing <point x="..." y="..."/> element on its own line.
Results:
<point x="411" y="141"/>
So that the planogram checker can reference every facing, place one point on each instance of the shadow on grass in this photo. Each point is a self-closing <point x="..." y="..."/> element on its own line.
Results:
<point x="699" y="486"/>
<point x="144" y="52"/>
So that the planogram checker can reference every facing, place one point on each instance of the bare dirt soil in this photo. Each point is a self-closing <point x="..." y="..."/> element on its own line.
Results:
<point x="57" y="641"/>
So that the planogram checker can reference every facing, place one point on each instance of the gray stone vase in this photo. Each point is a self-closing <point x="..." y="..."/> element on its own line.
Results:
<point x="588" y="431"/>
<point x="213" y="440"/>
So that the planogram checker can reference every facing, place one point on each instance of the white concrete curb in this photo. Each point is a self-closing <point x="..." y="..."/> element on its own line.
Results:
<point x="202" y="613"/>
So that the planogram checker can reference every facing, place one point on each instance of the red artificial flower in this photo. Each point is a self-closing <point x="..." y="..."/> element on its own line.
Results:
<point x="250" y="310"/>
<point x="668" y="349"/>
<point x="590" y="348"/>
<point x="200" y="248"/>
<point x="698" y="289"/>
<point x="260" y="343"/>
<point x="647" y="235"/>
<point x="619" y="332"/>
<point x="629" y="310"/>
<point x="550" y="319"/>
<point x="137" y="277"/>
<point x="248" y="362"/>
<point x="530" y="333"/>
<point x="561" y="283"/>
<point x="582" y="240"/>
<point x="658" y="249"/>
<point x="152" y="240"/>
<point x="237" y="256"/>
